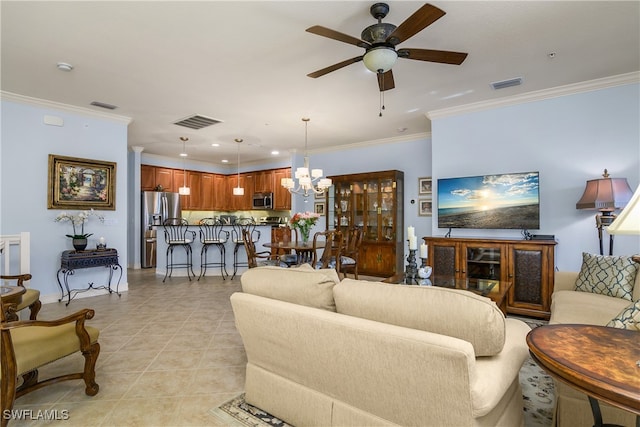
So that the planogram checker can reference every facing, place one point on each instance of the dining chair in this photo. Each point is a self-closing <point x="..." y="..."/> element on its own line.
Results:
<point x="330" y="257"/>
<point x="237" y="233"/>
<point x="177" y="234"/>
<point x="350" y="251"/>
<point x="285" y="234"/>
<point x="213" y="234"/>
<point x="258" y="259"/>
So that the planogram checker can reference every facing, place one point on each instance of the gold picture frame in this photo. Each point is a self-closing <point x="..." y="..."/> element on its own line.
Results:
<point x="76" y="183"/>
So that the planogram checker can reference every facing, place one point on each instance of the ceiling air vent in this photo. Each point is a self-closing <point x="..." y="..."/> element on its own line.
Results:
<point x="103" y="105"/>
<point x="197" y="121"/>
<point x="507" y="83"/>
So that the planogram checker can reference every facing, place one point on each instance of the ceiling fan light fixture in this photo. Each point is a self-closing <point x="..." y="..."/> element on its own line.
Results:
<point x="380" y="59"/>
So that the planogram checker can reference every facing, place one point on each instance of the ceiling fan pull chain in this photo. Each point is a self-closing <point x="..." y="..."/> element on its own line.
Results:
<point x="381" y="96"/>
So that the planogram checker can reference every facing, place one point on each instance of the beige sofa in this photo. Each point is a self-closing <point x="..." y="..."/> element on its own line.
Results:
<point x="356" y="353"/>
<point x="569" y="306"/>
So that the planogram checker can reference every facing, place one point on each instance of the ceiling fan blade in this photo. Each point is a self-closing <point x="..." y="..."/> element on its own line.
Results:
<point x="385" y="81"/>
<point x="417" y="22"/>
<point x="442" y="56"/>
<point x="334" y="67"/>
<point x="335" y="35"/>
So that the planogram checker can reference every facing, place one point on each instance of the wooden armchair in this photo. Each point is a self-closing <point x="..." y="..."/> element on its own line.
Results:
<point x="30" y="344"/>
<point x="30" y="298"/>
<point x="330" y="257"/>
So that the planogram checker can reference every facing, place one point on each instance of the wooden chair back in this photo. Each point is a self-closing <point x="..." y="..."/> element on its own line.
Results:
<point x="330" y="257"/>
<point x="350" y="251"/>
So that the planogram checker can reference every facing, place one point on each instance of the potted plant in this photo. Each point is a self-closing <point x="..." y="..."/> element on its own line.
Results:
<point x="79" y="240"/>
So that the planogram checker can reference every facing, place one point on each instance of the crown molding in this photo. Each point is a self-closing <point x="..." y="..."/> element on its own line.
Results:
<point x="9" y="96"/>
<point x="571" y="89"/>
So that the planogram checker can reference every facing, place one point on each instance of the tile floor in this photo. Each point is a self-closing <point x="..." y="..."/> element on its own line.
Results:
<point x="169" y="353"/>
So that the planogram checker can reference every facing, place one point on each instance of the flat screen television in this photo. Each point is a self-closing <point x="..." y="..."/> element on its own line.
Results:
<point x="503" y="201"/>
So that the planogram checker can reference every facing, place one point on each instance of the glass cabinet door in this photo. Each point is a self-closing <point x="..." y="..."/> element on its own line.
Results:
<point x="358" y="189"/>
<point x="387" y="209"/>
<point x="371" y="230"/>
<point x="483" y="263"/>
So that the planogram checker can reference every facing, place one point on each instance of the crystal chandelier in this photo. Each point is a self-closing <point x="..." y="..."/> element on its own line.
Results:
<point x="307" y="184"/>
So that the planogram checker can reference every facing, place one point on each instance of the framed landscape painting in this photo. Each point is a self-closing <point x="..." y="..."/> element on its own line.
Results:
<point x="76" y="183"/>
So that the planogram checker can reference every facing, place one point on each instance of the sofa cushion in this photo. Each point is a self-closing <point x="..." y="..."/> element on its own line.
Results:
<point x="584" y="307"/>
<point x="607" y="275"/>
<point x="451" y="312"/>
<point x="629" y="318"/>
<point x="301" y="285"/>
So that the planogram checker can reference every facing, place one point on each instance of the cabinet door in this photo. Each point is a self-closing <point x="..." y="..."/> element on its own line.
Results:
<point x="529" y="270"/>
<point x="220" y="193"/>
<point x="264" y="182"/>
<point x="371" y="212"/>
<point x="194" y="180"/>
<point x="147" y="178"/>
<point x="206" y="192"/>
<point x="387" y="210"/>
<point x="443" y="258"/>
<point x="164" y="179"/>
<point x="377" y="260"/>
<point x="281" y="196"/>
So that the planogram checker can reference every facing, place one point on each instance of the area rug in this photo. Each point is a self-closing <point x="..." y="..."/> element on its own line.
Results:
<point x="537" y="390"/>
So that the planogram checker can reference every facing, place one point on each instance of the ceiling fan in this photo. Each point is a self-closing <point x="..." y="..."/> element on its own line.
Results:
<point x="380" y="40"/>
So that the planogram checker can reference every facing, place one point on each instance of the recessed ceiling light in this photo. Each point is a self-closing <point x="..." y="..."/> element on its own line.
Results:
<point x="275" y="152"/>
<point x="225" y="161"/>
<point x="183" y="154"/>
<point x="63" y="66"/>
<point x="215" y="144"/>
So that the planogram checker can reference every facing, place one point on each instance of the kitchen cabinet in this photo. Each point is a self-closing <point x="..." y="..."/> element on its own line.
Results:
<point x="281" y="196"/>
<point x="220" y="193"/>
<point x="147" y="178"/>
<point x="373" y="201"/>
<point x="527" y="264"/>
<point x="207" y="192"/>
<point x="164" y="179"/>
<point x="240" y="203"/>
<point x="264" y="181"/>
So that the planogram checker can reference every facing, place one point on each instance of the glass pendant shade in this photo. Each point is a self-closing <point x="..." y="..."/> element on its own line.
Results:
<point x="380" y="59"/>
<point x="238" y="191"/>
<point x="184" y="191"/>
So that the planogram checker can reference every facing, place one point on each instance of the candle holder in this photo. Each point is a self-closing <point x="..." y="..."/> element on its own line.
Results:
<point x="424" y="262"/>
<point x="411" y="270"/>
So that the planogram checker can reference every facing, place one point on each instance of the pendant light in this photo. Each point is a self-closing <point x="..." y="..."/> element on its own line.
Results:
<point x="238" y="191"/>
<point x="310" y="181"/>
<point x="184" y="190"/>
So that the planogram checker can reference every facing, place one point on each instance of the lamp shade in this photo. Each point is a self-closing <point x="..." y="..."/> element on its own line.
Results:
<point x="628" y="222"/>
<point x="605" y="194"/>
<point x="380" y="59"/>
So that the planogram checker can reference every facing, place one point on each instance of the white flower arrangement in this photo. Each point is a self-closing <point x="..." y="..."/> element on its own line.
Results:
<point x="78" y="220"/>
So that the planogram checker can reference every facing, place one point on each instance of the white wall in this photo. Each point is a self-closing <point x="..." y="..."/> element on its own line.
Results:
<point x="568" y="139"/>
<point x="25" y="146"/>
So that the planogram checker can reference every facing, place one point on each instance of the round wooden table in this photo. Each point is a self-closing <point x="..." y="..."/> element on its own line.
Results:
<point x="294" y="245"/>
<point x="11" y="295"/>
<point x="601" y="362"/>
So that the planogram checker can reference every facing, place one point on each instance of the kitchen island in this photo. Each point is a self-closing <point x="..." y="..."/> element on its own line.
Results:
<point x="179" y="255"/>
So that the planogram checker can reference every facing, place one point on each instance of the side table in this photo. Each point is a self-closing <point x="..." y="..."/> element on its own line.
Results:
<point x="74" y="260"/>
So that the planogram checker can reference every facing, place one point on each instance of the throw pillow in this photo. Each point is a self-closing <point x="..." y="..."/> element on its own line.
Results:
<point x="629" y="318"/>
<point x="613" y="276"/>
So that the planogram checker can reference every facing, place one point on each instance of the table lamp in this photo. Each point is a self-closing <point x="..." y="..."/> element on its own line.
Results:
<point x="628" y="222"/>
<point x="606" y="195"/>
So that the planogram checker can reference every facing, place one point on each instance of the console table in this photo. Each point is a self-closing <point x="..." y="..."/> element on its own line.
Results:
<point x="74" y="260"/>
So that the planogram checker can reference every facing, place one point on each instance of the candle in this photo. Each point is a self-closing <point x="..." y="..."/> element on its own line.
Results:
<point x="411" y="231"/>
<point x="101" y="240"/>
<point x="424" y="251"/>
<point x="413" y="243"/>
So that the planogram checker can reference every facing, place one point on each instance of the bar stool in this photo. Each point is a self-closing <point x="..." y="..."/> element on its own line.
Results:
<point x="177" y="234"/>
<point x="242" y="225"/>
<point x="212" y="234"/>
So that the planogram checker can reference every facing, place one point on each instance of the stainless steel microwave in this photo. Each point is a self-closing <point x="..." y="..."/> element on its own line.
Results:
<point x="262" y="200"/>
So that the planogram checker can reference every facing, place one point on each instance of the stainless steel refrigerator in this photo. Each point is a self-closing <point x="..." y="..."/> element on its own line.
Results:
<point x="156" y="207"/>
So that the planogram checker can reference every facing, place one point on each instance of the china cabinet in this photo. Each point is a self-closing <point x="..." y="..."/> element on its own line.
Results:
<point x="527" y="264"/>
<point x="373" y="201"/>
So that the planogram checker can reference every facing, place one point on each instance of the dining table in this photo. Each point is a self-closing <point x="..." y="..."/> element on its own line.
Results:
<point x="303" y="250"/>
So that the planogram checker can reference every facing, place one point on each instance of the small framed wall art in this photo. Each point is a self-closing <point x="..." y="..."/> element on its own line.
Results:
<point x="318" y="207"/>
<point x="76" y="183"/>
<point x="425" y="207"/>
<point x="424" y="186"/>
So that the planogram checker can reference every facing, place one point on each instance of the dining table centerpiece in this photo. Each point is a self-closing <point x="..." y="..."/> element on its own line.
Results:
<point x="79" y="240"/>
<point x="304" y="222"/>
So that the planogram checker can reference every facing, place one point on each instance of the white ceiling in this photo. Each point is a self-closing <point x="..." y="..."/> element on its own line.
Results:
<point x="245" y="63"/>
